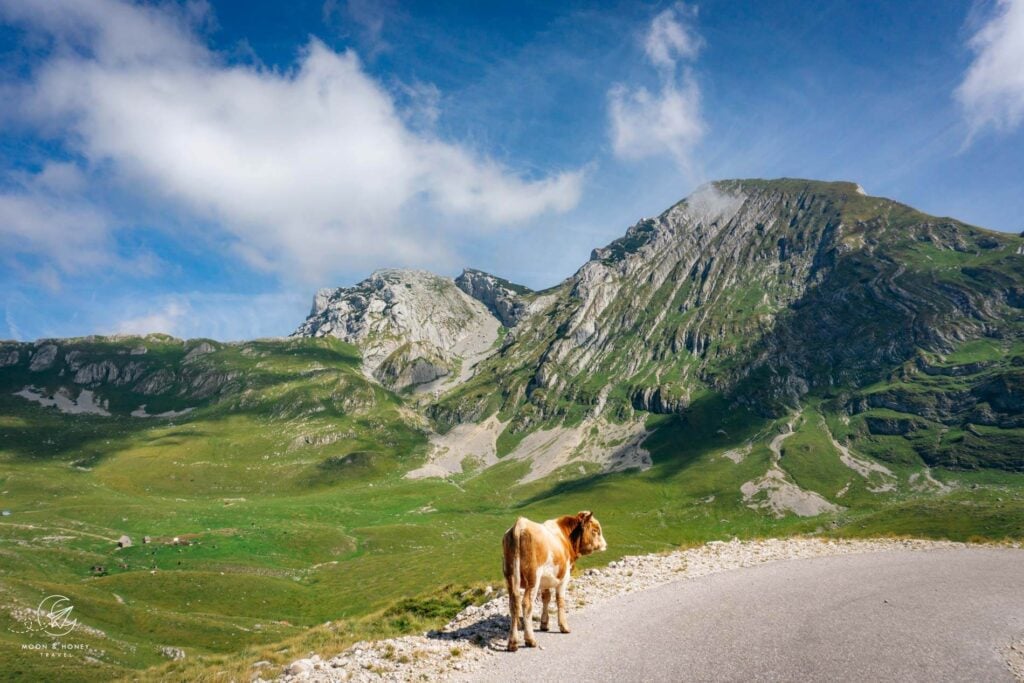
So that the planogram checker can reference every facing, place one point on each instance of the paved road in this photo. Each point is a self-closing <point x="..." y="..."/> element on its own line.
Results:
<point x="896" y="616"/>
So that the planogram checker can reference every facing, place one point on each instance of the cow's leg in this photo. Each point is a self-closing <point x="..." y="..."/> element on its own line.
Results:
<point x="545" y="600"/>
<point x="529" y="595"/>
<point x="563" y="625"/>
<point x="513" y="613"/>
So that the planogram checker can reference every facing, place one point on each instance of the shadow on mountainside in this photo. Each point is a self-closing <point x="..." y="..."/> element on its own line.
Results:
<point x="867" y="321"/>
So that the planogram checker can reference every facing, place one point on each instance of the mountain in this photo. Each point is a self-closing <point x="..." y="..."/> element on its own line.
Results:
<point x="414" y="328"/>
<point x="766" y="293"/>
<point x="748" y="296"/>
<point x="417" y="330"/>
<point x="764" y="358"/>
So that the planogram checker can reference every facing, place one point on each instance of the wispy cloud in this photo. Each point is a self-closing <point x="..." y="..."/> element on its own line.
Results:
<point x="311" y="170"/>
<point x="672" y="37"/>
<point x="12" y="327"/>
<point x="47" y="228"/>
<point x="992" y="91"/>
<point x="221" y="315"/>
<point x="647" y="123"/>
<point x="366" y="18"/>
<point x="168" y="319"/>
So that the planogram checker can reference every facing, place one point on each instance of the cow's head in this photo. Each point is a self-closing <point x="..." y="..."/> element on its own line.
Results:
<point x="589" y="530"/>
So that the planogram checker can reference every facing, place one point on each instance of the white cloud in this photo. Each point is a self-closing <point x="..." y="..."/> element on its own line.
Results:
<point x="12" y="327"/>
<point x="312" y="170"/>
<point x="218" y="315"/>
<point x="61" y="177"/>
<point x="167" y="319"/>
<point x="671" y="37"/>
<point x="51" y="231"/>
<point x="647" y="123"/>
<point x="368" y="17"/>
<point x="45" y="222"/>
<point x="422" y="106"/>
<point x="992" y="92"/>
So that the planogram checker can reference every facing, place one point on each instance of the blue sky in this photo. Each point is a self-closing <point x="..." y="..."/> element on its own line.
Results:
<point x="201" y="168"/>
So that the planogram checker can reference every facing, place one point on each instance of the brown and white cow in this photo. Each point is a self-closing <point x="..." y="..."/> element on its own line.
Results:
<point x="539" y="557"/>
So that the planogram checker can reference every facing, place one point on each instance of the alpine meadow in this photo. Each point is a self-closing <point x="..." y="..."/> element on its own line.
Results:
<point x="764" y="358"/>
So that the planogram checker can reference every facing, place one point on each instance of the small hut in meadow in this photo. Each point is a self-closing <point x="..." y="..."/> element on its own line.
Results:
<point x="124" y="542"/>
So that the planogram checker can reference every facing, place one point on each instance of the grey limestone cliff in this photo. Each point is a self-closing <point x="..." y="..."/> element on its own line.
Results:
<point x="412" y="327"/>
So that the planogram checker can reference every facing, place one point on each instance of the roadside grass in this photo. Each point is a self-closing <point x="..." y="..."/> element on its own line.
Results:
<point x="408" y="615"/>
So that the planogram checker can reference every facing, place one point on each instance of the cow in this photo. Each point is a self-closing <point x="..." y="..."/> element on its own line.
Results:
<point x="539" y="557"/>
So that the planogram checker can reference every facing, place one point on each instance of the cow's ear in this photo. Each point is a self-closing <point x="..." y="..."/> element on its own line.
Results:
<point x="585" y="516"/>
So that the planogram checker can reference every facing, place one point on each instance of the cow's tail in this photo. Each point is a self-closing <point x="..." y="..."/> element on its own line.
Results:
<point x="513" y="542"/>
<point x="513" y="557"/>
<point x="511" y="568"/>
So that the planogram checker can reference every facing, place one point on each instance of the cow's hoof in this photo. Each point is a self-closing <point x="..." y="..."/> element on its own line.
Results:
<point x="512" y="647"/>
<point x="564" y="629"/>
<point x="531" y="643"/>
<point x="543" y="627"/>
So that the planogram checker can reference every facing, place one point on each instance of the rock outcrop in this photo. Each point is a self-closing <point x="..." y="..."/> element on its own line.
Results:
<point x="657" y="400"/>
<point x="411" y="326"/>
<point x="501" y="297"/>
<point x="43" y="357"/>
<point x="107" y="372"/>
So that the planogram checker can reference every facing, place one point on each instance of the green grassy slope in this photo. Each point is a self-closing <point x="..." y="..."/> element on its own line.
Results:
<point x="254" y="482"/>
<point x="283" y="482"/>
<point x="284" y="489"/>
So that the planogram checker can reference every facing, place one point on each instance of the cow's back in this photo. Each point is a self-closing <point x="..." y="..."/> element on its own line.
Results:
<point x="533" y="545"/>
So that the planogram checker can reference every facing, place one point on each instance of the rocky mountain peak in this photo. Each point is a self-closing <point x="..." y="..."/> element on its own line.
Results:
<point x="502" y="298"/>
<point x="412" y="326"/>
